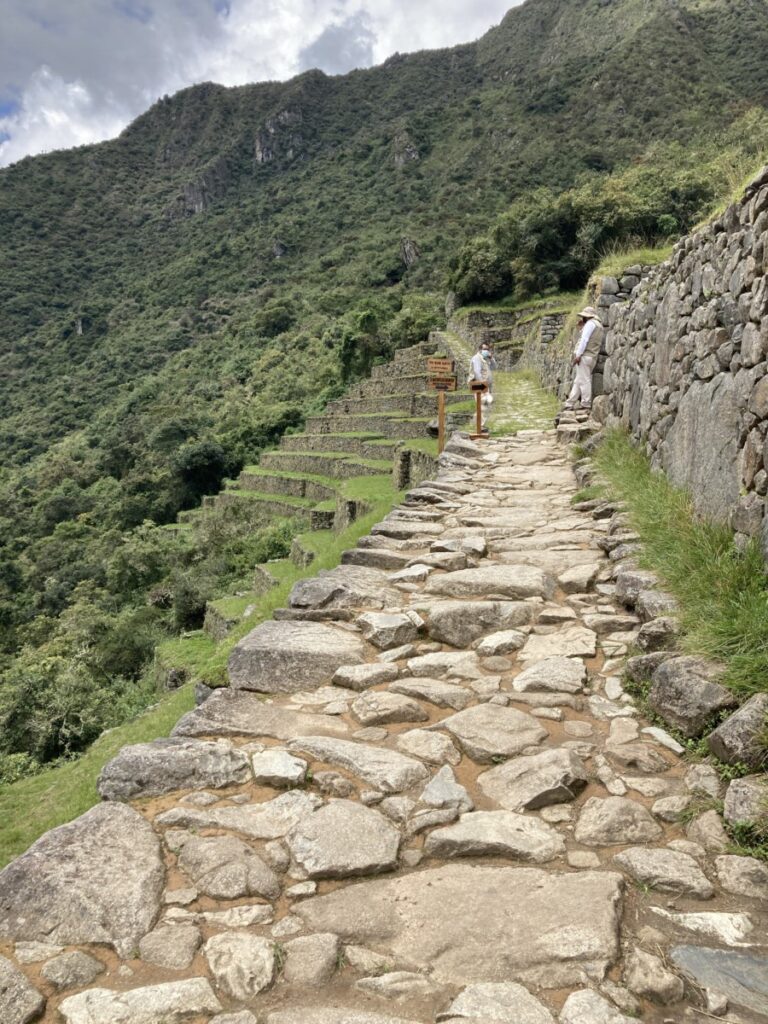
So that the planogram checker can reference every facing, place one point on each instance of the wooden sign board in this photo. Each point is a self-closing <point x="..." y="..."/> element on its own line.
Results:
<point x="440" y="367"/>
<point x="478" y="385"/>
<point x="442" y="383"/>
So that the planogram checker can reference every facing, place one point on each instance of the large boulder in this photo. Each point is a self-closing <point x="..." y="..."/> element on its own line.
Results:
<point x="98" y="879"/>
<point x="165" y="765"/>
<point x="740" y="976"/>
<point x="466" y="923"/>
<point x="496" y="834"/>
<point x="239" y="713"/>
<point x="740" y="739"/>
<point x="285" y="657"/>
<point x="746" y="800"/>
<point x="686" y="694"/>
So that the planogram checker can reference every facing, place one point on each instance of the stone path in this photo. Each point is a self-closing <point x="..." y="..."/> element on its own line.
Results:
<point x="425" y="797"/>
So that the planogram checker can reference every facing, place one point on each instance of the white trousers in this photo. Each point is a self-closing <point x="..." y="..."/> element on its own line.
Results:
<point x="582" y="382"/>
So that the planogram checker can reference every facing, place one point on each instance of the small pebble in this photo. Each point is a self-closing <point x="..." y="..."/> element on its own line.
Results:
<point x="554" y="714"/>
<point x="180" y="897"/>
<point x="372" y="734"/>
<point x="556" y="813"/>
<point x="412" y="858"/>
<point x="370" y="797"/>
<point x="500" y="699"/>
<point x="574" y="727"/>
<point x="496" y="664"/>
<point x="301" y="890"/>
<point x="583" y="859"/>
<point x="289" y="925"/>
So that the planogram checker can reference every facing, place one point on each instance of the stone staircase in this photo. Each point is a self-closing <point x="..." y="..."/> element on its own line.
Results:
<point x="428" y="795"/>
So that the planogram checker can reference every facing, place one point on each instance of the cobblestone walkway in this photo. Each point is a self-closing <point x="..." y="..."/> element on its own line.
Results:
<point x="424" y="797"/>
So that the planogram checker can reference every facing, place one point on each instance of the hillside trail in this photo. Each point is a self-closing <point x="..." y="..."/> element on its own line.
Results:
<point x="426" y="796"/>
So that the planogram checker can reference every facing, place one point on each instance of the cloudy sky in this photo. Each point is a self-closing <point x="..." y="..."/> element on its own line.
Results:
<point x="76" y="71"/>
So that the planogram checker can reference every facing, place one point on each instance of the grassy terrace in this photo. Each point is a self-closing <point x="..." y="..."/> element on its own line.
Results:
<point x="32" y="806"/>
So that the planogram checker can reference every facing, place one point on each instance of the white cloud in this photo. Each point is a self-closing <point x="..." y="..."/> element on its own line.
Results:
<point x="79" y="72"/>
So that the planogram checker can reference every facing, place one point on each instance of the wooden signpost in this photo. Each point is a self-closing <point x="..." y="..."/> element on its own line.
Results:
<point x="479" y="387"/>
<point x="441" y="378"/>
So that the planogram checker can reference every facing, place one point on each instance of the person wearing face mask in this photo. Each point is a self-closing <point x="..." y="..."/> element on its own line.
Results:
<point x="481" y="368"/>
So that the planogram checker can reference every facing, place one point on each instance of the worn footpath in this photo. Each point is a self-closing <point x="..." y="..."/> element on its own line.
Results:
<point x="424" y="797"/>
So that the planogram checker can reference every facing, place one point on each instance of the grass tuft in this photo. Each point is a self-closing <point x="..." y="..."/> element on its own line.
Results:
<point x="722" y="591"/>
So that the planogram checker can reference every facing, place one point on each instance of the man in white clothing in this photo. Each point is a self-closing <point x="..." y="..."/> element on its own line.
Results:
<point x="585" y="356"/>
<point x="481" y="368"/>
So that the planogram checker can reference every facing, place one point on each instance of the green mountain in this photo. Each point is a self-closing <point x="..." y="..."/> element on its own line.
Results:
<point x="175" y="299"/>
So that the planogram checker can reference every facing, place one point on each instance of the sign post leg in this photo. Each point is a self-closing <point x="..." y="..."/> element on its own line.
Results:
<point x="440" y="421"/>
<point x="479" y="413"/>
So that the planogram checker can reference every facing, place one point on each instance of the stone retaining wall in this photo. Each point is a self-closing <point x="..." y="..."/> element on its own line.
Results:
<point x="686" y="364"/>
<point x="508" y="332"/>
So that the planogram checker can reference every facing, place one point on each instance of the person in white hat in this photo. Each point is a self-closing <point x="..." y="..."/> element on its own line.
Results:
<point x="584" y="358"/>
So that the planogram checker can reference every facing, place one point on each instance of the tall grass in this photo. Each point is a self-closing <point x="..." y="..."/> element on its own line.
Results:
<point x="722" y="591"/>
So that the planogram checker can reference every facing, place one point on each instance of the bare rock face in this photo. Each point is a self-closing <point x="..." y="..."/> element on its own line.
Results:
<point x="98" y="879"/>
<point x="343" y="839"/>
<point x="173" y="1003"/>
<point x="20" y="1003"/>
<point x="454" y="921"/>
<point x="746" y="800"/>
<point x="165" y="765"/>
<point x="686" y="694"/>
<point x="286" y="657"/>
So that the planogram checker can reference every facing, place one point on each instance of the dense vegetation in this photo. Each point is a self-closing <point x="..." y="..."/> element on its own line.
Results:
<point x="176" y="299"/>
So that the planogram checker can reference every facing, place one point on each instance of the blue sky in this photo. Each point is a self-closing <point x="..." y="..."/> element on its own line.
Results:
<point x="77" y="71"/>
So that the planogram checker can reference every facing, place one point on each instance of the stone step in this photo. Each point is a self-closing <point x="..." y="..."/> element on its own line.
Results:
<point x="404" y="427"/>
<point x="292" y="484"/>
<point x="337" y="465"/>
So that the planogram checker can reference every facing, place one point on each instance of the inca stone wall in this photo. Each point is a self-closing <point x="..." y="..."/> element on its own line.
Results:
<point x="686" y="364"/>
<point x="508" y="332"/>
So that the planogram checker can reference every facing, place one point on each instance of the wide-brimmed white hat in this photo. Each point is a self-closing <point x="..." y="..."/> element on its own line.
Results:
<point x="588" y="313"/>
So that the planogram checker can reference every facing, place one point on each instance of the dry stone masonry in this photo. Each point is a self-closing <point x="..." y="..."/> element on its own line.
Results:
<point x="425" y="797"/>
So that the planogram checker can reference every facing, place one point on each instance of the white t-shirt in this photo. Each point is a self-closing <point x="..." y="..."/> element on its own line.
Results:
<point x="586" y="334"/>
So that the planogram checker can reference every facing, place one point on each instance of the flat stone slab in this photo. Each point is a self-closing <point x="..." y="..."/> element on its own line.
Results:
<point x="488" y="731"/>
<point x="239" y="713"/>
<point x="165" y="765"/>
<point x="285" y="657"/>
<point x="514" y="581"/>
<point x="469" y="923"/>
<point x="535" y="780"/>
<point x="557" y="675"/>
<point x="496" y="834"/>
<point x="569" y="642"/>
<point x="346" y="586"/>
<point x="333" y="1015"/>
<point x="343" y="839"/>
<point x="269" y="820"/>
<point x="362" y="677"/>
<point x="443" y="695"/>
<point x="742" y="977"/>
<point x="98" y="879"/>
<point x="172" y="1003"/>
<point x="386" y="769"/>
<point x="377" y="707"/>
